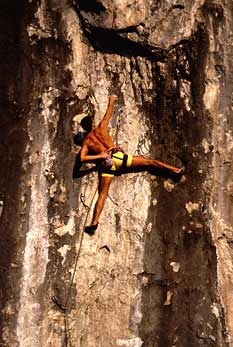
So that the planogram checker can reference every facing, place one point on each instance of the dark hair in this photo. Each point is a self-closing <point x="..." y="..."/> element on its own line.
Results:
<point x="86" y="123"/>
<point x="79" y="138"/>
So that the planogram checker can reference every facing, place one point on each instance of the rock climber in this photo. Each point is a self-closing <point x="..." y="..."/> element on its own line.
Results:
<point x="97" y="145"/>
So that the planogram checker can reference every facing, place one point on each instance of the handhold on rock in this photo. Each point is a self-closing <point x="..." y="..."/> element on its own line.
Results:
<point x="56" y="302"/>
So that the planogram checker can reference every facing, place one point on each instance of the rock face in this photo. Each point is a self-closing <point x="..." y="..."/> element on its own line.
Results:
<point x="158" y="272"/>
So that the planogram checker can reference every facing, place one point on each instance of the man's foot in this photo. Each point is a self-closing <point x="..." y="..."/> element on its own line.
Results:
<point x="180" y="171"/>
<point x="90" y="229"/>
<point x="177" y="175"/>
<point x="175" y="170"/>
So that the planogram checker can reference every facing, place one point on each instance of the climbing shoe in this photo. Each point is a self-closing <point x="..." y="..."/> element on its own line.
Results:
<point x="90" y="229"/>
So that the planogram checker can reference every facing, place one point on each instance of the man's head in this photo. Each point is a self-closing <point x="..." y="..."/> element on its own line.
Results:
<point x="86" y="123"/>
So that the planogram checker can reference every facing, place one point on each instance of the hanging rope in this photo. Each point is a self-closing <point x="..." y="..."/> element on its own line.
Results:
<point x="65" y="307"/>
<point x="118" y="124"/>
<point x="68" y="338"/>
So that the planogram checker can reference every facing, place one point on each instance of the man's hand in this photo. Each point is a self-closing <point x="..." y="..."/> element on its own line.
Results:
<point x="113" y="98"/>
<point x="104" y="155"/>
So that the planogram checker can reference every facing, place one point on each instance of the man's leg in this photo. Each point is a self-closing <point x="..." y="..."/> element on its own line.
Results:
<point x="139" y="161"/>
<point x="104" y="185"/>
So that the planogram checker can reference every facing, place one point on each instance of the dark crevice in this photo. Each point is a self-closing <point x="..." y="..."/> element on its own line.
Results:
<point x="109" y="41"/>
<point x="112" y="41"/>
<point x="129" y="29"/>
<point x="178" y="6"/>
<point x="106" y="248"/>
<point x="93" y="6"/>
<point x="14" y="87"/>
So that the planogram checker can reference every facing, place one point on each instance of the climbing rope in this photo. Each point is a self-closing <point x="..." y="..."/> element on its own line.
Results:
<point x="65" y="307"/>
<point x="118" y="123"/>
<point x="68" y="339"/>
<point x="82" y="198"/>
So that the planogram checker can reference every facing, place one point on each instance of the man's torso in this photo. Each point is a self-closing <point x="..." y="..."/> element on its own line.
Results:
<point x="99" y="140"/>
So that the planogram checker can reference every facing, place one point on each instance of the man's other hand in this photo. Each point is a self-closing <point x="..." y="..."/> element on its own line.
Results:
<point x="113" y="98"/>
<point x="104" y="155"/>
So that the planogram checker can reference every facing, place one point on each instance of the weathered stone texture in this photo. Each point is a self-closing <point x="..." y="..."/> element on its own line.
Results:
<point x="158" y="272"/>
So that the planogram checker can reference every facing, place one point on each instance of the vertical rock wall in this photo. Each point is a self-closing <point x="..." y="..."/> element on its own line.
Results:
<point x="159" y="270"/>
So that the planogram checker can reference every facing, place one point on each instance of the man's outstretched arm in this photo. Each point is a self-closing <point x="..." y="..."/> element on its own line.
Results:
<point x="109" y="111"/>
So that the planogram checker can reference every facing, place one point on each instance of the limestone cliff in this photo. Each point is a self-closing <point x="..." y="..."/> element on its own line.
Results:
<point x="158" y="272"/>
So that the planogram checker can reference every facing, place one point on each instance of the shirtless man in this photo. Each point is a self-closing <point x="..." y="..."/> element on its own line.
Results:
<point x="100" y="144"/>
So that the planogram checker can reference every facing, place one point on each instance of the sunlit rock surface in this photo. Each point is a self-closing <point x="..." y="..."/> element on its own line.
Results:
<point x="158" y="272"/>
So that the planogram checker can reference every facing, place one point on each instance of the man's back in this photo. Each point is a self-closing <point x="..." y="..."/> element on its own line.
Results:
<point x="99" y="140"/>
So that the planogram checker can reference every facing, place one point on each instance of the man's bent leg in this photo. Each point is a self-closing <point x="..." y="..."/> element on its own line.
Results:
<point x="139" y="161"/>
<point x="104" y="186"/>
